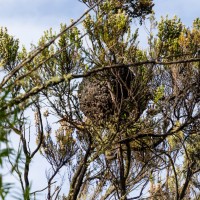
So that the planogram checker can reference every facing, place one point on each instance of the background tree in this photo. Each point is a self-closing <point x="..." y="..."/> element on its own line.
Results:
<point x="123" y="121"/>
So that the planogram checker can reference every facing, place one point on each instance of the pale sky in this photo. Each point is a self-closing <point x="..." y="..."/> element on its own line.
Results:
<point x="28" y="19"/>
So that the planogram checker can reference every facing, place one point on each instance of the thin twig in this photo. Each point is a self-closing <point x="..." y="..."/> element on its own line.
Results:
<point x="42" y="189"/>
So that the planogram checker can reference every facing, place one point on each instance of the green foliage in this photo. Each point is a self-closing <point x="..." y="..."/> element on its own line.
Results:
<point x="159" y="93"/>
<point x="148" y="129"/>
<point x="4" y="188"/>
<point x="169" y="31"/>
<point x="132" y="8"/>
<point x="193" y="149"/>
<point x="8" y="49"/>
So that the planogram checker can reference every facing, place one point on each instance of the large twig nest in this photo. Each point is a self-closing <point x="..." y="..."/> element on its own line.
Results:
<point x="95" y="99"/>
<point x="110" y="93"/>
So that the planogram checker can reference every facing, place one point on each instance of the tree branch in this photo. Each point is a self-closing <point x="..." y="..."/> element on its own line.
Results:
<point x="56" y="80"/>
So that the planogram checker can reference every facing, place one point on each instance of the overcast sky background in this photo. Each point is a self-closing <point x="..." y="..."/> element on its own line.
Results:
<point x="28" y="19"/>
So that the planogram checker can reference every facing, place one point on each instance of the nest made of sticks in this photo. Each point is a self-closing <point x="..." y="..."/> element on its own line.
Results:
<point x="95" y="99"/>
<point x="110" y="93"/>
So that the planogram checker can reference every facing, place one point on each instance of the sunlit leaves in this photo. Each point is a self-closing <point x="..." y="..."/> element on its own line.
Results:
<point x="169" y="31"/>
<point x="174" y="39"/>
<point x="8" y="50"/>
<point x="159" y="93"/>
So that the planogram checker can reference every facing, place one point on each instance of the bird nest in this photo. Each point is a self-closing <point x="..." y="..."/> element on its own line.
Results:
<point x="95" y="98"/>
<point x="110" y="93"/>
